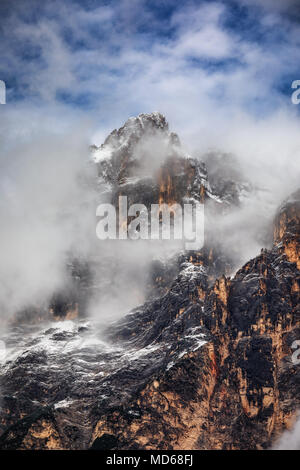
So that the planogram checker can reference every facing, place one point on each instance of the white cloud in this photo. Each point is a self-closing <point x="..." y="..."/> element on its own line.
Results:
<point x="200" y="34"/>
<point x="115" y="56"/>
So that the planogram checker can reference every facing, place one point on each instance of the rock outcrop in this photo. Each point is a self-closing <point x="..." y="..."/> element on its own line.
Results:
<point x="205" y="363"/>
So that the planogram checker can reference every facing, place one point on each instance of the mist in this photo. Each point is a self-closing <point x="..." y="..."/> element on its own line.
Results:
<point x="48" y="205"/>
<point x="42" y="207"/>
<point x="290" y="440"/>
<point x="265" y="154"/>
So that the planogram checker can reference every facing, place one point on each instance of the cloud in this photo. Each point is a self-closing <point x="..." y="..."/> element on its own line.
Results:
<point x="290" y="440"/>
<point x="220" y="72"/>
<point x="42" y="207"/>
<point x="199" y="33"/>
<point x="114" y="57"/>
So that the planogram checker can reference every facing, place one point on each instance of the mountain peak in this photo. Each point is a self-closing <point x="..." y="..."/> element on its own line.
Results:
<point x="155" y="119"/>
<point x="134" y="129"/>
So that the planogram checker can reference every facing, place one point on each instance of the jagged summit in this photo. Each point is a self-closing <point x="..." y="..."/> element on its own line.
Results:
<point x="134" y="129"/>
<point x="155" y="119"/>
<point x="148" y="159"/>
<point x="144" y="120"/>
<point x="145" y="148"/>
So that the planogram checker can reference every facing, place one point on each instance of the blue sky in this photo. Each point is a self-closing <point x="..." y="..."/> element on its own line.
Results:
<point x="197" y="62"/>
<point x="132" y="55"/>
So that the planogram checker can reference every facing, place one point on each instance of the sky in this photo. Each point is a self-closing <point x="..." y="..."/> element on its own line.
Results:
<point x="114" y="59"/>
<point x="220" y="71"/>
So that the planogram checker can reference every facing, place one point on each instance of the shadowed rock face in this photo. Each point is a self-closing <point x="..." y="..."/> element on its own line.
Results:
<point x="240" y="389"/>
<point x="199" y="368"/>
<point x="204" y="364"/>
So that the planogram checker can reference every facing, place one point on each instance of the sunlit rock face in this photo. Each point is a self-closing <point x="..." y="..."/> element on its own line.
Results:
<point x="204" y="363"/>
<point x="287" y="228"/>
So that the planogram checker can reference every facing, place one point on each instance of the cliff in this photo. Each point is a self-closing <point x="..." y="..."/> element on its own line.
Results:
<point x="204" y="363"/>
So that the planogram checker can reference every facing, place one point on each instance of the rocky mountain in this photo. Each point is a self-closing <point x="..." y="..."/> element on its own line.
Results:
<point x="144" y="161"/>
<point x="204" y="363"/>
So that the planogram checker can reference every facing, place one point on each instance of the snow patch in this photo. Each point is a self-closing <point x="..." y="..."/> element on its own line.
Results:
<point x="63" y="403"/>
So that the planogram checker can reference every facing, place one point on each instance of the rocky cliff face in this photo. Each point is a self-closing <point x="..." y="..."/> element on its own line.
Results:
<point x="205" y="363"/>
<point x="239" y="390"/>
